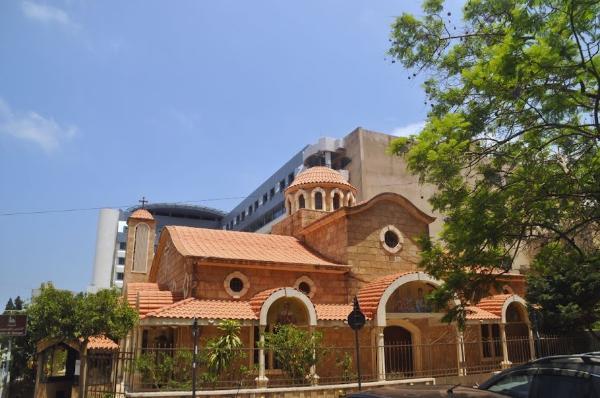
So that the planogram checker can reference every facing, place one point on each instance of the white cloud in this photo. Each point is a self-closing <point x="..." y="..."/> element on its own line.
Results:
<point x="46" y="14"/>
<point x="31" y="126"/>
<point x="405" y="131"/>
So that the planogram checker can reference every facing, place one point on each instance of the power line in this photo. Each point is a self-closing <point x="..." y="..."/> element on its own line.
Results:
<point x="71" y="210"/>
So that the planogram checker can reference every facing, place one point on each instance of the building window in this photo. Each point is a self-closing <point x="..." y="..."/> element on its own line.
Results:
<point x="271" y="193"/>
<point x="265" y="198"/>
<point x="391" y="239"/>
<point x="301" y="202"/>
<point x="336" y="201"/>
<point x="250" y="210"/>
<point x="282" y="185"/>
<point x="121" y="261"/>
<point x="255" y="205"/>
<point x="120" y="276"/>
<point x="306" y="286"/>
<point x="122" y="245"/>
<point x="237" y="219"/>
<point x="290" y="178"/>
<point x="491" y="346"/>
<point x="318" y="201"/>
<point x="140" y="248"/>
<point x="236" y="284"/>
<point x="243" y="215"/>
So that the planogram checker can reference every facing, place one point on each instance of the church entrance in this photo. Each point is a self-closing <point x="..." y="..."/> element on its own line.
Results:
<point x="398" y="352"/>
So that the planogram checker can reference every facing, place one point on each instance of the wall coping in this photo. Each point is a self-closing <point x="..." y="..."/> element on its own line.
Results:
<point x="212" y="393"/>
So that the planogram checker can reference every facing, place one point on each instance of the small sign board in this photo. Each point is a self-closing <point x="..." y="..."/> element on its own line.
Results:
<point x="13" y="325"/>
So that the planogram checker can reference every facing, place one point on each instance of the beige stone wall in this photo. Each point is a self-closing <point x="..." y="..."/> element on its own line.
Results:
<point x="329" y="288"/>
<point x="331" y="241"/>
<point x="365" y="251"/>
<point x="291" y="225"/>
<point x="171" y="269"/>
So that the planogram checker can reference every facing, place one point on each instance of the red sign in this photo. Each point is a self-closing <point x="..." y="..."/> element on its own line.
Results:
<point x="13" y="325"/>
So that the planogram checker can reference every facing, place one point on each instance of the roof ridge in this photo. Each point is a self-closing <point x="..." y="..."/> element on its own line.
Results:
<point x="169" y="306"/>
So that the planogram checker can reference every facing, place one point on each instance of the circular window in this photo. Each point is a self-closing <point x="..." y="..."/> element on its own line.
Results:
<point x="306" y="286"/>
<point x="236" y="284"/>
<point x="391" y="239"/>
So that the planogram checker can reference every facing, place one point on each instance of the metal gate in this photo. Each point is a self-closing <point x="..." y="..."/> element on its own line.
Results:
<point x="107" y="374"/>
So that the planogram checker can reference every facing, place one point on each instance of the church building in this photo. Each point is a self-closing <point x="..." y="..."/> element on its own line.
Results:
<point x="326" y="251"/>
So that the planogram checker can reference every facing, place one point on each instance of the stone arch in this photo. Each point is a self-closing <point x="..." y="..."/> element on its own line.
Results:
<point x="323" y="198"/>
<point x="416" y="341"/>
<point x="380" y="317"/>
<point x="300" y="193"/>
<point x="288" y="206"/>
<point x="519" y="301"/>
<point x="288" y="292"/>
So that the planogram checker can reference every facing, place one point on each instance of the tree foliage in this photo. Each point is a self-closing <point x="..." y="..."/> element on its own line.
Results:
<point x="295" y="350"/>
<point x="511" y="143"/>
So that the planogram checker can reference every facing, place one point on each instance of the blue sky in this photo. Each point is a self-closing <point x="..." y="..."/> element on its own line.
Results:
<point x="102" y="102"/>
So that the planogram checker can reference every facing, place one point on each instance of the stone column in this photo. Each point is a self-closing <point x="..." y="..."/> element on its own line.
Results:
<point x="531" y="343"/>
<point x="505" y="362"/>
<point x="460" y="352"/>
<point x="380" y="354"/>
<point x="261" y="380"/>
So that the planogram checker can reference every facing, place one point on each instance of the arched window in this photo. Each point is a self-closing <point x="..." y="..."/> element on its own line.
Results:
<point x="318" y="201"/>
<point x="289" y="207"/>
<point x="140" y="248"/>
<point x="301" y="202"/>
<point x="336" y="201"/>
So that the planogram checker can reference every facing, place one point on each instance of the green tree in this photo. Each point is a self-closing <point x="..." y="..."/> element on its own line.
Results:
<point x="65" y="316"/>
<point x="511" y="142"/>
<point x="18" y="303"/>
<point x="222" y="351"/>
<point x="10" y="306"/>
<point x="295" y="350"/>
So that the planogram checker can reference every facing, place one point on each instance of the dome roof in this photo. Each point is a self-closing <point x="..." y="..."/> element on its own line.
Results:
<point x="142" y="214"/>
<point x="319" y="176"/>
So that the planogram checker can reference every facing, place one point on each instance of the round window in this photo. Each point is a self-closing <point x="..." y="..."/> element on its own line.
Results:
<point x="236" y="284"/>
<point x="391" y="239"/>
<point x="304" y="287"/>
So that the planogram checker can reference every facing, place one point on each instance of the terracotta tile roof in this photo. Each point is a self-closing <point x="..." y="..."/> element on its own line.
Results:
<point x="494" y="304"/>
<point x="146" y="297"/>
<point x="141" y="214"/>
<point x="207" y="309"/>
<point x="370" y="294"/>
<point x="477" y="314"/>
<point x="319" y="175"/>
<point x="333" y="312"/>
<point x="259" y="299"/>
<point x="244" y="246"/>
<point x="102" y="343"/>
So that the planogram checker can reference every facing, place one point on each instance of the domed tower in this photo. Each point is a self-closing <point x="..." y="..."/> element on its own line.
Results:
<point x="319" y="188"/>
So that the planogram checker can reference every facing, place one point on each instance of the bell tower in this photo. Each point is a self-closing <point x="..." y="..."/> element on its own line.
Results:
<point x="141" y="233"/>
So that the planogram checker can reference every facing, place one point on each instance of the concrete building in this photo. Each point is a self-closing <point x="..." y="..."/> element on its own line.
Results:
<point x="362" y="160"/>
<point x="111" y="236"/>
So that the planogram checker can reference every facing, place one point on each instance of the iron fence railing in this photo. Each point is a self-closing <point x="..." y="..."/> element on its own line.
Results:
<point x="170" y="369"/>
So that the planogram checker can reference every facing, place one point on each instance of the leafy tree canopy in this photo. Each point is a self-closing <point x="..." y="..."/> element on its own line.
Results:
<point x="511" y="143"/>
<point x="10" y="306"/>
<point x="63" y="315"/>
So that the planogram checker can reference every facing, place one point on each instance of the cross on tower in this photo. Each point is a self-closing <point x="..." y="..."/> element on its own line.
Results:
<point x="143" y="201"/>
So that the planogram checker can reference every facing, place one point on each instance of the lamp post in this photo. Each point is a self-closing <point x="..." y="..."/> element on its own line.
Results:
<point x="195" y="335"/>
<point x="356" y="320"/>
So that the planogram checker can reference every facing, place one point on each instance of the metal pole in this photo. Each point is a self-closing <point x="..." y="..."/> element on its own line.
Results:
<point x="195" y="355"/>
<point x="357" y="359"/>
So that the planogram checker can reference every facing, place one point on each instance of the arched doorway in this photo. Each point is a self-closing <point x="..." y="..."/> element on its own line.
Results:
<point x="517" y="333"/>
<point x="398" y="352"/>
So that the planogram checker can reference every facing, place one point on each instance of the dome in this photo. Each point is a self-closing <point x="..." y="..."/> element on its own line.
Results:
<point x="322" y="176"/>
<point x="142" y="214"/>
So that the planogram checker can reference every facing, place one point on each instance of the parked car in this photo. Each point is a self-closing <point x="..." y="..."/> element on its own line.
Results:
<point x="570" y="376"/>
<point x="563" y="376"/>
<point x="425" y="391"/>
